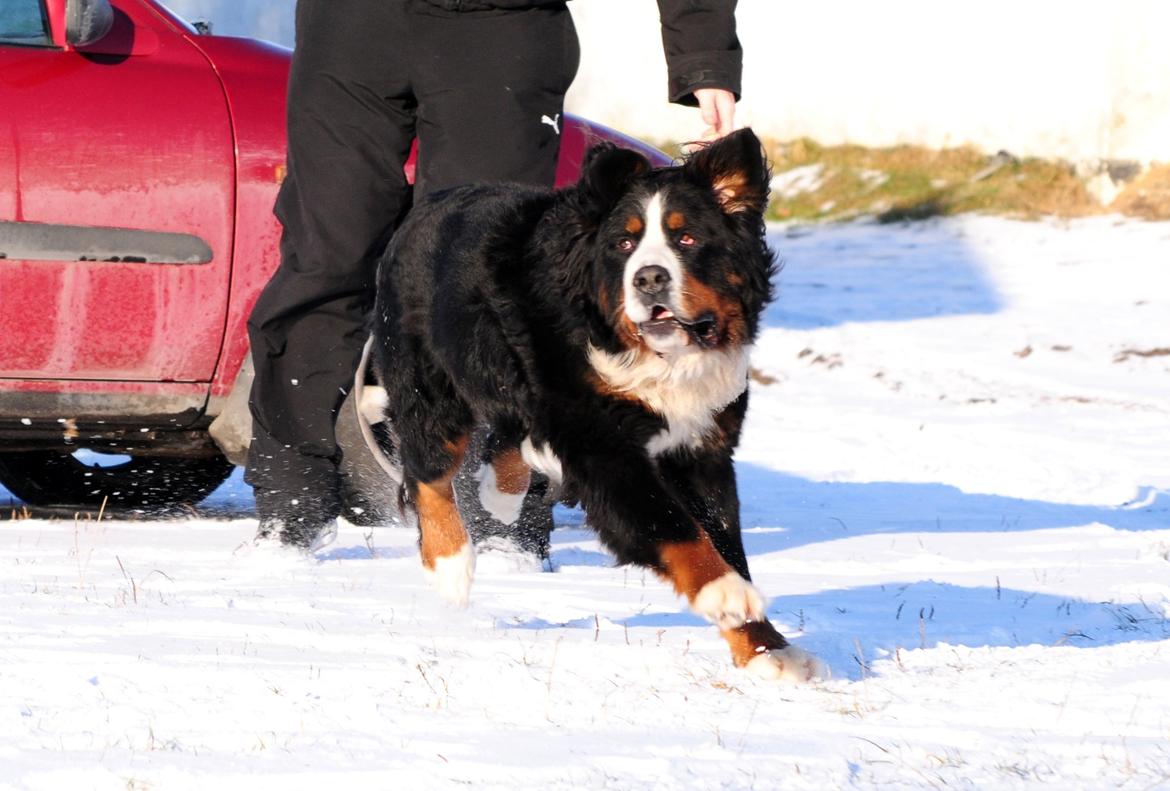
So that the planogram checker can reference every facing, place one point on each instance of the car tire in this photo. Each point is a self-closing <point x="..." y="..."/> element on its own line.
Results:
<point x="147" y="484"/>
<point x="369" y="495"/>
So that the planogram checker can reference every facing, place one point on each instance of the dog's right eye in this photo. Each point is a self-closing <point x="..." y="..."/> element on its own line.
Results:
<point x="625" y="245"/>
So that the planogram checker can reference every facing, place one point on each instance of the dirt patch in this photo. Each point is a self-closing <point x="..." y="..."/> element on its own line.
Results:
<point x="760" y="377"/>
<point x="1148" y="196"/>
<point x="1125" y="354"/>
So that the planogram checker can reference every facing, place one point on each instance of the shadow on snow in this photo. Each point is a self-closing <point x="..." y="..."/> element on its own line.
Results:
<point x="781" y="512"/>
<point x="871" y="272"/>
<point x="837" y="624"/>
<point x="789" y="511"/>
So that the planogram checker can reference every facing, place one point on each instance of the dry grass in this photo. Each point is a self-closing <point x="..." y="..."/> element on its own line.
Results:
<point x="1148" y="196"/>
<point x="912" y="182"/>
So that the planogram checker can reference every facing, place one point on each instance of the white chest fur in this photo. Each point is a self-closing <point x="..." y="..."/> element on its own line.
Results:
<point x="687" y="389"/>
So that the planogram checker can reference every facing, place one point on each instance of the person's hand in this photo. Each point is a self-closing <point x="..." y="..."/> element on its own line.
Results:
<point x="717" y="107"/>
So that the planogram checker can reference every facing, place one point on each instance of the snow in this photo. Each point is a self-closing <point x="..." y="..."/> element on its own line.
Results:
<point x="797" y="181"/>
<point x="955" y="489"/>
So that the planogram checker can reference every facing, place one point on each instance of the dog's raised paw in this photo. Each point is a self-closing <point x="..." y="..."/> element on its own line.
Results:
<point x="452" y="575"/>
<point x="788" y="664"/>
<point x="729" y="601"/>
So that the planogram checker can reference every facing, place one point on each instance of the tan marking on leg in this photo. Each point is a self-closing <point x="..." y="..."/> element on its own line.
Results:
<point x="512" y="474"/>
<point x="690" y="565"/>
<point x="752" y="639"/>
<point x="762" y="651"/>
<point x="714" y="589"/>
<point x="440" y="527"/>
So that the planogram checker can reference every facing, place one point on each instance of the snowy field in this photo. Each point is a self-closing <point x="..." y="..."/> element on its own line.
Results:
<point x="956" y="486"/>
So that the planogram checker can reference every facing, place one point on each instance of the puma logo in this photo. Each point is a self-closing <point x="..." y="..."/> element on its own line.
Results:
<point x="554" y="122"/>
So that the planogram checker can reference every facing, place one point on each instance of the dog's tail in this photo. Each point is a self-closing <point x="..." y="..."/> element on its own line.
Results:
<point x="370" y="402"/>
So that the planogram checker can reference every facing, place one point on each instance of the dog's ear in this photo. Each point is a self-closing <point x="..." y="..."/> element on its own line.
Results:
<point x="734" y="168"/>
<point x="607" y="172"/>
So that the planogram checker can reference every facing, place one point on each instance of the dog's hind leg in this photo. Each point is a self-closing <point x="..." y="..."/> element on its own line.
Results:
<point x="503" y="484"/>
<point x="447" y="555"/>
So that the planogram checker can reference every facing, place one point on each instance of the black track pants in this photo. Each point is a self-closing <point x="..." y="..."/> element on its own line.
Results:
<point x="367" y="77"/>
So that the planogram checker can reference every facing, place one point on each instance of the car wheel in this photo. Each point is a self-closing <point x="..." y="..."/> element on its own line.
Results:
<point x="150" y="484"/>
<point x="369" y="495"/>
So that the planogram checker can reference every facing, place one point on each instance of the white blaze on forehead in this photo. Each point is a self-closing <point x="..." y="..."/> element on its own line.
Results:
<point x="653" y="249"/>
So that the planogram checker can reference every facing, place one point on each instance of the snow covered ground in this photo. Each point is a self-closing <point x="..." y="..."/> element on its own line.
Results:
<point x="956" y="486"/>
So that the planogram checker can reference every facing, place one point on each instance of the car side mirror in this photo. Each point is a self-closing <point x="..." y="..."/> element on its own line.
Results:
<point x="87" y="21"/>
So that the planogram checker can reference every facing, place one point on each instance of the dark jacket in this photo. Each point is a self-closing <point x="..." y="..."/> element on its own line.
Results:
<point x="698" y="36"/>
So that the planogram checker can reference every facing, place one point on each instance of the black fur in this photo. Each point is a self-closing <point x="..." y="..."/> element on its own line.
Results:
<point x="490" y="297"/>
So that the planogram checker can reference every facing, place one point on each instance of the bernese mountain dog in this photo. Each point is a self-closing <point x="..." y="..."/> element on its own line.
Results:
<point x="603" y="332"/>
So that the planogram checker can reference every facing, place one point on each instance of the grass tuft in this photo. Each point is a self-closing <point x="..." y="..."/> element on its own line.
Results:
<point x="1148" y="196"/>
<point x="903" y="183"/>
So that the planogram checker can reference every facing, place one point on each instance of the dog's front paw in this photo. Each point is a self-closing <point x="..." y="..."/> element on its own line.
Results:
<point x="788" y="664"/>
<point x="729" y="601"/>
<point x="452" y="575"/>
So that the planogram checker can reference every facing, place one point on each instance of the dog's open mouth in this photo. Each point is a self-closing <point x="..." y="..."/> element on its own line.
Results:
<point x="663" y="323"/>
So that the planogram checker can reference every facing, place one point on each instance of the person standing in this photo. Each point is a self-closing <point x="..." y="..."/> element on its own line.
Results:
<point x="481" y="85"/>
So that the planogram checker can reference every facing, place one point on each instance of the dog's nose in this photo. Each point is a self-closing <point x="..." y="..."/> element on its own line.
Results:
<point x="651" y="280"/>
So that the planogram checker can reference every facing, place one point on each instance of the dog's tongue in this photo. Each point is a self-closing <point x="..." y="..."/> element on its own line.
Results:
<point x="659" y="312"/>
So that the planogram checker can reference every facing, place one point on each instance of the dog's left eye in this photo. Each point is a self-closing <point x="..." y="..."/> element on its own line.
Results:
<point x="686" y="240"/>
<point x="625" y="245"/>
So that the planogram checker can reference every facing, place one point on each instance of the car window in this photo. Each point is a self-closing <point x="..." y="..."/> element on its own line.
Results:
<point x="23" y="22"/>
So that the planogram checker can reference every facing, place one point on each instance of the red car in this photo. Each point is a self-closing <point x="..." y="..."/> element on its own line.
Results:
<point x="139" y="161"/>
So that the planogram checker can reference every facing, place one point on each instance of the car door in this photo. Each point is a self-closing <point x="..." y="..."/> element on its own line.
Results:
<point x="116" y="201"/>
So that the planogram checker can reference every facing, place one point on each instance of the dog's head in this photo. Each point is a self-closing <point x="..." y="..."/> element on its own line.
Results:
<point x="680" y="264"/>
